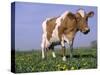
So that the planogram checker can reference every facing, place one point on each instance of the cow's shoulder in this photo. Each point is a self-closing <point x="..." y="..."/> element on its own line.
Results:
<point x="71" y="16"/>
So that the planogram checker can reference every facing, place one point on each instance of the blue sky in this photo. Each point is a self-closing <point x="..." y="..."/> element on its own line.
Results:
<point x="29" y="18"/>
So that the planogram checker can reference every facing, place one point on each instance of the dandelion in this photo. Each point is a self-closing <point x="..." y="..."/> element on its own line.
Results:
<point x="72" y="68"/>
<point x="33" y="69"/>
<point x="58" y="65"/>
<point x="85" y="63"/>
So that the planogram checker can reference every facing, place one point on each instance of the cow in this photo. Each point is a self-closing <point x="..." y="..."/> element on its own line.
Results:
<point x="62" y="29"/>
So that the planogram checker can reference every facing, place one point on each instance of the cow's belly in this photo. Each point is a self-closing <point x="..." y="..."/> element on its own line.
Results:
<point x="55" y="41"/>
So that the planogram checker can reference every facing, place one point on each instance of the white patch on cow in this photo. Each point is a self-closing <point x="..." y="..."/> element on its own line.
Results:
<point x="53" y="54"/>
<point x="64" y="58"/>
<point x="81" y="12"/>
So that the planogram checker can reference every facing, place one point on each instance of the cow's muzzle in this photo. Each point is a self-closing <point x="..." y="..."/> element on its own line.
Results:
<point x="87" y="31"/>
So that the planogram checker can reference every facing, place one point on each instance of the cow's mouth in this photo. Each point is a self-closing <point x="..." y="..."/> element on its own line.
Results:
<point x="86" y="32"/>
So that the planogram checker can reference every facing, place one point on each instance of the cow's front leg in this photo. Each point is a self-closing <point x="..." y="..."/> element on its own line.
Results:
<point x="70" y="43"/>
<point x="63" y="50"/>
<point x="53" y="52"/>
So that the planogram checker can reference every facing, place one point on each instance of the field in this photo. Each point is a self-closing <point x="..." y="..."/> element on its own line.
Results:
<point x="30" y="61"/>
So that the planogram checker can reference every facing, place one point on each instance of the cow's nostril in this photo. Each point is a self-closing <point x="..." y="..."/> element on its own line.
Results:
<point x="88" y="30"/>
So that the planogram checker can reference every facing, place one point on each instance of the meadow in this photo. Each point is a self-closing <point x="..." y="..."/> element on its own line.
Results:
<point x="30" y="61"/>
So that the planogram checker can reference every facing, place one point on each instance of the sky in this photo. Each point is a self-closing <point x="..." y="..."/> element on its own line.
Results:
<point x="30" y="16"/>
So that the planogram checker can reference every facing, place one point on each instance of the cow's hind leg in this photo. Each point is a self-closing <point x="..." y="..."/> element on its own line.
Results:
<point x="43" y="50"/>
<point x="43" y="46"/>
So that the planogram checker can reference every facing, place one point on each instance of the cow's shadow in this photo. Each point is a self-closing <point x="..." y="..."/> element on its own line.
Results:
<point x="80" y="56"/>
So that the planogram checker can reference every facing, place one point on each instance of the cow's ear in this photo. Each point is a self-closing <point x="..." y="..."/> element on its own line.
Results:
<point x="90" y="14"/>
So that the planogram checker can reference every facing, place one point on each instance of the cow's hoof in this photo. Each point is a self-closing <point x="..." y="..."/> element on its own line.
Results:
<point x="43" y="57"/>
<point x="64" y="58"/>
<point x="54" y="57"/>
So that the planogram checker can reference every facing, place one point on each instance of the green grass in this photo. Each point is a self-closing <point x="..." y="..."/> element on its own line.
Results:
<point x="32" y="62"/>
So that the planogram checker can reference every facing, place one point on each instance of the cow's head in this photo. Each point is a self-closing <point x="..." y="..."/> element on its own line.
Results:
<point x="82" y="20"/>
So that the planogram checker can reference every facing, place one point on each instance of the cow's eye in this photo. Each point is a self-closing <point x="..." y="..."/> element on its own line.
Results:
<point x="86" y="18"/>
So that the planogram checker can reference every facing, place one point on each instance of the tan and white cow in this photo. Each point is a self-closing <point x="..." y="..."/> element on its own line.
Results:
<point x="62" y="29"/>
